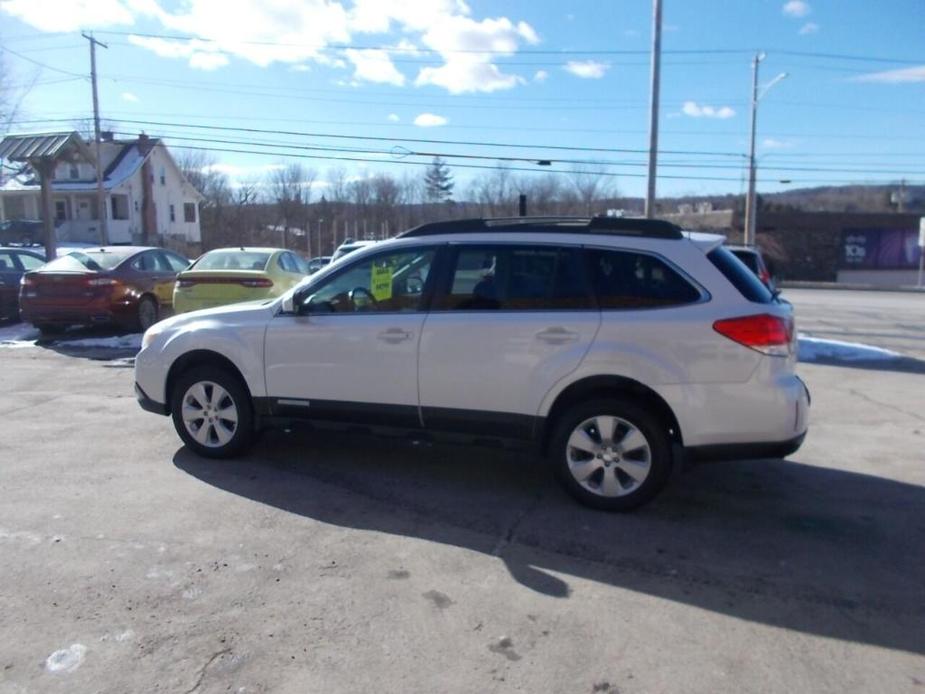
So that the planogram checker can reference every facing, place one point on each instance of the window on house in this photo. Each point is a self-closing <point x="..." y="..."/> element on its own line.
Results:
<point x="163" y="176"/>
<point x="189" y="211"/>
<point x="119" y="206"/>
<point x="74" y="171"/>
<point x="173" y="214"/>
<point x="60" y="210"/>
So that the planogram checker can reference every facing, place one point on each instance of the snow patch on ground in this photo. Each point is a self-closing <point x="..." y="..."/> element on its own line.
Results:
<point x="132" y="341"/>
<point x="817" y="349"/>
<point x="67" y="659"/>
<point x="23" y="335"/>
<point x="18" y="335"/>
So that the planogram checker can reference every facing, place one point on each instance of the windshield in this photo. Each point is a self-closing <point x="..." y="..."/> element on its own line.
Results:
<point x="81" y="261"/>
<point x="232" y="260"/>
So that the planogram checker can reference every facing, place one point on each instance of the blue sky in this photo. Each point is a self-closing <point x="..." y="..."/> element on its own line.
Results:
<point x="533" y="74"/>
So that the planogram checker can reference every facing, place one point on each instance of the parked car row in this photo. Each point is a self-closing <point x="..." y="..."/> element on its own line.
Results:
<point x="133" y="287"/>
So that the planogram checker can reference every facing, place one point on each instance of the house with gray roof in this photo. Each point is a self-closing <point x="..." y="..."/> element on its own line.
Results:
<point x="148" y="199"/>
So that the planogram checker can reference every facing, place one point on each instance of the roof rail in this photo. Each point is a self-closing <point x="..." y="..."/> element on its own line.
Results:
<point x="618" y="226"/>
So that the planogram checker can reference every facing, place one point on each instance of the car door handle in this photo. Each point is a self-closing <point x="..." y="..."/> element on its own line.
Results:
<point x="557" y="336"/>
<point x="395" y="335"/>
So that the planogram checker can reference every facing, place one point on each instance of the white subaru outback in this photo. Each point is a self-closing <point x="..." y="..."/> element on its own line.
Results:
<point x="617" y="346"/>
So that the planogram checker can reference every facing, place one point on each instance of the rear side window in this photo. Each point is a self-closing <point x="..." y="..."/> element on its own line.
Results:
<point x="750" y="259"/>
<point x="515" y="278"/>
<point x="740" y="276"/>
<point x="628" y="280"/>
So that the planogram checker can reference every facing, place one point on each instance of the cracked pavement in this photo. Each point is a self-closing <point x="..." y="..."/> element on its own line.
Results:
<point x="335" y="562"/>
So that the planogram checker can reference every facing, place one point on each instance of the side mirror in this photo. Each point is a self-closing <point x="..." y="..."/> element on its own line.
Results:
<point x="289" y="303"/>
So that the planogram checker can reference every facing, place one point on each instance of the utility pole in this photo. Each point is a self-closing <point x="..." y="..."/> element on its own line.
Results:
<point x="750" y="199"/>
<point x="100" y="196"/>
<point x="653" y="112"/>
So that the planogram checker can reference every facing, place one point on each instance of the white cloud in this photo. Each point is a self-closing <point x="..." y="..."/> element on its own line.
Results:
<point x="52" y="15"/>
<point x="207" y="61"/>
<point x="772" y="143"/>
<point x="300" y="67"/>
<point x="796" y="8"/>
<point x="430" y="120"/>
<point x="301" y="32"/>
<point x="900" y="76"/>
<point x="394" y="117"/>
<point x="202" y="55"/>
<point x="808" y="28"/>
<point x="374" y="66"/>
<point x="468" y="49"/>
<point x="586" y="69"/>
<point x="540" y="76"/>
<point x="128" y="96"/>
<point x="695" y="110"/>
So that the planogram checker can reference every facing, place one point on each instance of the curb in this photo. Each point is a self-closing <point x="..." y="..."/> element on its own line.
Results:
<point x="844" y="286"/>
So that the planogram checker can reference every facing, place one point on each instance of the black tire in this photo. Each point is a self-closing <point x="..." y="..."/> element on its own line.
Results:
<point x="657" y="438"/>
<point x="209" y="444"/>
<point x="47" y="331"/>
<point x="147" y="313"/>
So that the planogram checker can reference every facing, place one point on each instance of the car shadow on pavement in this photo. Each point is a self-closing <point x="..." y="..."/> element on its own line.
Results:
<point x="816" y="550"/>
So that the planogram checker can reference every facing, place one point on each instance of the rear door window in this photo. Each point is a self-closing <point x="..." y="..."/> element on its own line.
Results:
<point x="632" y="280"/>
<point x="515" y="278"/>
<point x="30" y="262"/>
<point x="743" y="279"/>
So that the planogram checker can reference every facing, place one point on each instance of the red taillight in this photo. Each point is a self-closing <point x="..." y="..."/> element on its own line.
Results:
<point x="184" y="284"/>
<point x="766" y="333"/>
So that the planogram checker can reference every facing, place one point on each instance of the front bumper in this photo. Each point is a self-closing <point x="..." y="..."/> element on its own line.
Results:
<point x="148" y="404"/>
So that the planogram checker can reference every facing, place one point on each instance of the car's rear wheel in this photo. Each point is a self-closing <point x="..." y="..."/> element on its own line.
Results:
<point x="49" y="330"/>
<point x="147" y="312"/>
<point x="212" y="412"/>
<point x="611" y="454"/>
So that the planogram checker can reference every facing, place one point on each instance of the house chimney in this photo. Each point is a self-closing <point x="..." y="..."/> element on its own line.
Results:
<point x="144" y="143"/>
<point x="106" y="135"/>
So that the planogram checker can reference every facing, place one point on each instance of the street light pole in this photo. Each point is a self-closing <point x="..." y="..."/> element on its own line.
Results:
<point x="653" y="113"/>
<point x="750" y="199"/>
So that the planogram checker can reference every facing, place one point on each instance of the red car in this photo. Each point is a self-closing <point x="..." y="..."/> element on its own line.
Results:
<point x="127" y="286"/>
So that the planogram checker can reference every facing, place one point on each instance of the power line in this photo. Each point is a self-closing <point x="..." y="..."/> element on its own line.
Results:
<point x="399" y="155"/>
<point x="40" y="64"/>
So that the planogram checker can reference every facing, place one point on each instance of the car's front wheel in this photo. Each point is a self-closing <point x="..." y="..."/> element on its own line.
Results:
<point x="611" y="454"/>
<point x="212" y="412"/>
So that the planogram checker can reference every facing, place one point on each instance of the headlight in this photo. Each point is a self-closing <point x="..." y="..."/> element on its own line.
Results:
<point x="150" y="335"/>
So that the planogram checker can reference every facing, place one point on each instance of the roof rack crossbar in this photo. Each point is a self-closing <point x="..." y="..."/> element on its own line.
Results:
<point x="619" y="226"/>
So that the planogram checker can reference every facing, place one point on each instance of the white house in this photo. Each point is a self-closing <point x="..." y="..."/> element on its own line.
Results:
<point x="148" y="199"/>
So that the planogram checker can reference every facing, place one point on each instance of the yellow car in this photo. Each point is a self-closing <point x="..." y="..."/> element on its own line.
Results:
<point x="230" y="275"/>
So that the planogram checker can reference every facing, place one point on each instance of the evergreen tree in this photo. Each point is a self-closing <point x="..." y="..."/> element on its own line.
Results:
<point x="438" y="181"/>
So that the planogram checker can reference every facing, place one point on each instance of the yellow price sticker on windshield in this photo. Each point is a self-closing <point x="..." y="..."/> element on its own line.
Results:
<point x="381" y="282"/>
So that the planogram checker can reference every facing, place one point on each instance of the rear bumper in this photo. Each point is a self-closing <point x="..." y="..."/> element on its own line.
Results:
<point x="89" y="314"/>
<point x="148" y="404"/>
<point x="746" y="451"/>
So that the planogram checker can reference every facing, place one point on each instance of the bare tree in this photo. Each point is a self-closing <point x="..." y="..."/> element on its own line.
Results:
<point x="12" y="96"/>
<point x="201" y="169"/>
<point x="291" y="189"/>
<point x="591" y="183"/>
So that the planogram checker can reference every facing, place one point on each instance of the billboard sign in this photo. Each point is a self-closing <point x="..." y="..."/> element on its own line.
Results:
<point x="880" y="249"/>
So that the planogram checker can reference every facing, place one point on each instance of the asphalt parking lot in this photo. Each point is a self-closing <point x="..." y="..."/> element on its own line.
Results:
<point x="335" y="562"/>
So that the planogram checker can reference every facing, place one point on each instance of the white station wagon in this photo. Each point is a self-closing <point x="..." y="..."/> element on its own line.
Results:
<point x="616" y="346"/>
